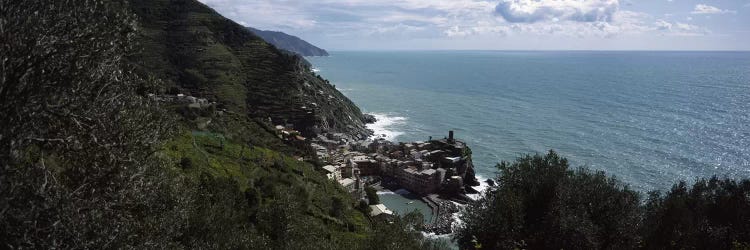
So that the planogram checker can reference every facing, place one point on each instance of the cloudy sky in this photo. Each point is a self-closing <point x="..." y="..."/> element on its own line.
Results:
<point x="502" y="24"/>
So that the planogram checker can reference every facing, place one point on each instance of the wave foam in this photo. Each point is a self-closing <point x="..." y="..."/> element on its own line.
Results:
<point x="480" y="189"/>
<point x="398" y="192"/>
<point x="385" y="125"/>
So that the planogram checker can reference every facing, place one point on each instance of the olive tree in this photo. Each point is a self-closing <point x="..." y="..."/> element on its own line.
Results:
<point x="77" y="140"/>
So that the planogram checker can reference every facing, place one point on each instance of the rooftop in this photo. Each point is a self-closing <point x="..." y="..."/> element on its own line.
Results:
<point x="330" y="168"/>
<point x="361" y="158"/>
<point x="429" y="172"/>
<point x="453" y="159"/>
<point x="379" y="209"/>
<point x="346" y="182"/>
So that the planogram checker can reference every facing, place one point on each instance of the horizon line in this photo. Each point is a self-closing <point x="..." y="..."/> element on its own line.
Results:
<point x="543" y="50"/>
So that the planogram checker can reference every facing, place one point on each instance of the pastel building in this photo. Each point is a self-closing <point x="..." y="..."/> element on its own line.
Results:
<point x="421" y="180"/>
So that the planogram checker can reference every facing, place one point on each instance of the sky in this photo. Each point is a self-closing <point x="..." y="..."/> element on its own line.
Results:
<point x="501" y="24"/>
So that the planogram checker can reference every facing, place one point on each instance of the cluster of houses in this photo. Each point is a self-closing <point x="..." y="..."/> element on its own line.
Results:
<point x="434" y="166"/>
<point x="190" y="101"/>
<point x="288" y="133"/>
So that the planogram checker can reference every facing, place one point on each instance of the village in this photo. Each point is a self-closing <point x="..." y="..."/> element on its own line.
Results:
<point x="439" y="171"/>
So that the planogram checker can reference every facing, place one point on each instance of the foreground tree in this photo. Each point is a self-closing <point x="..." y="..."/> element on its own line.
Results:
<point x="372" y="196"/>
<point x="540" y="204"/>
<point x="76" y="139"/>
<point x="713" y="214"/>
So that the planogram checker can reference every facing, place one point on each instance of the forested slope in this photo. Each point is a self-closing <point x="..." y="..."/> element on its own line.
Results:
<point x="199" y="52"/>
<point x="98" y="152"/>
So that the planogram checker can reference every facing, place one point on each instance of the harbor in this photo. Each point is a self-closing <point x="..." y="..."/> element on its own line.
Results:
<point x="425" y="176"/>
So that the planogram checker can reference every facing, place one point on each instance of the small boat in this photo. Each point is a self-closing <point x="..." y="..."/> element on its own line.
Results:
<point x="410" y="202"/>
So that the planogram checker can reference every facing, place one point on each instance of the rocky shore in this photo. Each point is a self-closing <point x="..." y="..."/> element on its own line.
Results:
<point x="442" y="222"/>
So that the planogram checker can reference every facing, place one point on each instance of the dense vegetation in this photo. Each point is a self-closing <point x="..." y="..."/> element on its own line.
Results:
<point x="90" y="159"/>
<point x="289" y="43"/>
<point x="77" y="141"/>
<point x="196" y="51"/>
<point x="712" y="214"/>
<point x="540" y="203"/>
<point x="372" y="196"/>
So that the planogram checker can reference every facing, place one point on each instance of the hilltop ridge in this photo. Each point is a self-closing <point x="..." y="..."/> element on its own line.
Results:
<point x="289" y="42"/>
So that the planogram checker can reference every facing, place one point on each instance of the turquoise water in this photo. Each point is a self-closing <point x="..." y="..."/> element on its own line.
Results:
<point x="650" y="118"/>
<point x="405" y="203"/>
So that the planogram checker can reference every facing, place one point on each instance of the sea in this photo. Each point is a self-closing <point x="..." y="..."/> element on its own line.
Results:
<point x="649" y="118"/>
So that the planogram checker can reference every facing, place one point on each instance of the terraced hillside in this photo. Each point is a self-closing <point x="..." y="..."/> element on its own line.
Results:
<point x="196" y="51"/>
<point x="252" y="189"/>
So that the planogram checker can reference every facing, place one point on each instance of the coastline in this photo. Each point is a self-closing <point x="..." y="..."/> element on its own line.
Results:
<point x="516" y="129"/>
<point x="483" y="186"/>
<point x="384" y="126"/>
<point x="444" y="213"/>
<point x="444" y="210"/>
<point x="436" y="172"/>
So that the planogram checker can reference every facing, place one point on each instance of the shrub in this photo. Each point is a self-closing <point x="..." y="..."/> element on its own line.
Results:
<point x="541" y="204"/>
<point x="713" y="214"/>
<point x="372" y="196"/>
<point x="186" y="163"/>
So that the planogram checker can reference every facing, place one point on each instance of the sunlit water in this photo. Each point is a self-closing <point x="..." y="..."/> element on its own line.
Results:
<point x="650" y="118"/>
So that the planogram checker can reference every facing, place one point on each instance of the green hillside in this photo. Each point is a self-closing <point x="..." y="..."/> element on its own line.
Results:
<point x="98" y="152"/>
<point x="255" y="181"/>
<point x="198" y="52"/>
<point x="236" y="153"/>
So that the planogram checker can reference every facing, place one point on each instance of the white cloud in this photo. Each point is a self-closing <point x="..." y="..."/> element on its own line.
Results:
<point x="400" y="17"/>
<point x="621" y="23"/>
<point x="263" y="13"/>
<point x="456" y="31"/>
<point x="708" y="9"/>
<point x="436" y="18"/>
<point x="444" y="5"/>
<point x="531" y="11"/>
<point x="480" y="28"/>
<point x="363" y="23"/>
<point x="679" y="29"/>
<point x="400" y="28"/>
<point x="663" y="25"/>
<point x="687" y="27"/>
